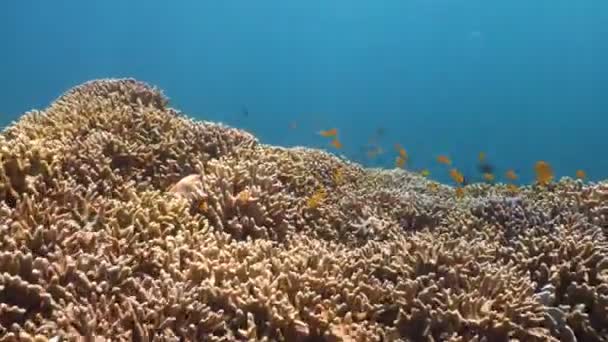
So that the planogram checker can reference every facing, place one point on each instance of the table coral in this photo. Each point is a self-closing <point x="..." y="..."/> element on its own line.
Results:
<point x="123" y="218"/>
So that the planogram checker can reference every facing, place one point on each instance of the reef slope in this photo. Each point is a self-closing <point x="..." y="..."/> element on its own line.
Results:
<point x="122" y="218"/>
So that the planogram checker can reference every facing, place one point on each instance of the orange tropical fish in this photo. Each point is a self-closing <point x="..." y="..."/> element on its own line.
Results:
<point x="459" y="192"/>
<point x="400" y="162"/>
<point x="401" y="150"/>
<point x="544" y="172"/>
<point x="511" y="175"/>
<point x="580" y="174"/>
<point x="488" y="177"/>
<point x="336" y="143"/>
<point x="444" y="160"/>
<point x="457" y="176"/>
<point x="329" y="133"/>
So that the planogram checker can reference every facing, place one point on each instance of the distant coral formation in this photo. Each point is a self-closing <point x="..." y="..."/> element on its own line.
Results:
<point x="122" y="218"/>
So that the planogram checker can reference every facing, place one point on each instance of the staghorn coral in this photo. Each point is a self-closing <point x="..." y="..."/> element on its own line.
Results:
<point x="122" y="218"/>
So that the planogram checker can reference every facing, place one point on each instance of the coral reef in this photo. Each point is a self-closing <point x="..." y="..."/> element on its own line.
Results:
<point x="122" y="218"/>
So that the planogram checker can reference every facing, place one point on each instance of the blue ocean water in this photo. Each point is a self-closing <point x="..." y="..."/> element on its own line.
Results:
<point x="519" y="80"/>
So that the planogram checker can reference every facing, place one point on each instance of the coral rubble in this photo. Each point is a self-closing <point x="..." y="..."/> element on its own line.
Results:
<point x="122" y="218"/>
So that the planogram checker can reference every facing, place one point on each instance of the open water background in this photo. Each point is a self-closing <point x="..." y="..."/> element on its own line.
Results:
<point x="519" y="80"/>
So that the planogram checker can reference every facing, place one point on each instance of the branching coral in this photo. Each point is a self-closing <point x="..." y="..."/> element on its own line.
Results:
<point x="122" y="218"/>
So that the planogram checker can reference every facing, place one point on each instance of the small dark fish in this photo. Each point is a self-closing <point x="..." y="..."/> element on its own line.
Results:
<point x="245" y="112"/>
<point x="485" y="168"/>
<point x="380" y="131"/>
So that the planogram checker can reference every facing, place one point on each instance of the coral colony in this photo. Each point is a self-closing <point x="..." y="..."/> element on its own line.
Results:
<point x="123" y="219"/>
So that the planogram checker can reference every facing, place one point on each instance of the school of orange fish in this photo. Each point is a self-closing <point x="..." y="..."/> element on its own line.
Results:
<point x="543" y="171"/>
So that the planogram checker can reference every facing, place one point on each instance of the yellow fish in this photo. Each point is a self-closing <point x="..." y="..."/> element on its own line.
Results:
<point x="338" y="176"/>
<point x="425" y="173"/>
<point x="316" y="199"/>
<point x="482" y="156"/>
